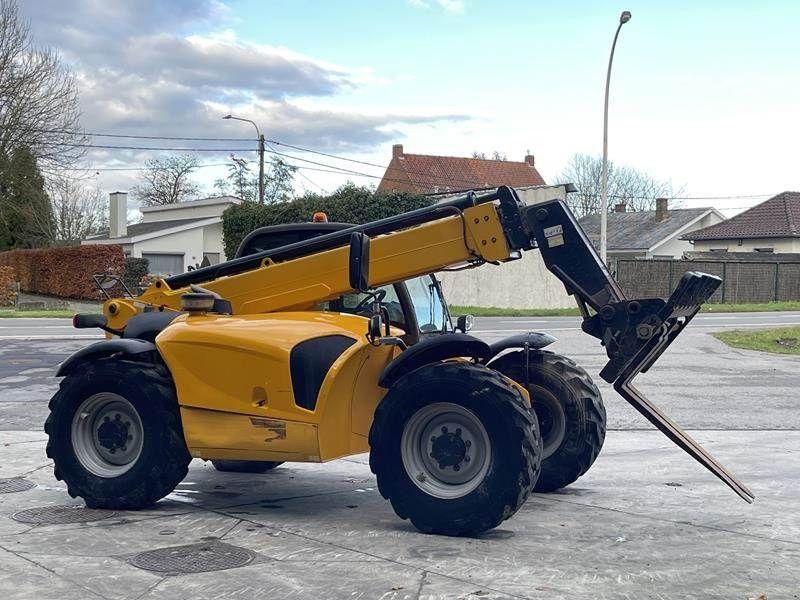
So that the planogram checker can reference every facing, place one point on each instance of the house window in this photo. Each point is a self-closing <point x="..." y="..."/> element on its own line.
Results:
<point x="213" y="257"/>
<point x="767" y="250"/>
<point x="164" y="264"/>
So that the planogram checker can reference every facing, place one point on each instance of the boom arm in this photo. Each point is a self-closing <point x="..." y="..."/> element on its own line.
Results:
<point x="469" y="230"/>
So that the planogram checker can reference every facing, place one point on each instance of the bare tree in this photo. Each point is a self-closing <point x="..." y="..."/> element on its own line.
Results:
<point x="166" y="180"/>
<point x="38" y="96"/>
<point x="278" y="181"/>
<point x="241" y="180"/>
<point x="496" y="155"/>
<point x="79" y="209"/>
<point x="634" y="189"/>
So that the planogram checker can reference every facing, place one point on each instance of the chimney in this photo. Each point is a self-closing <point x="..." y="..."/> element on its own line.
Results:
<point x="619" y="207"/>
<point x="118" y="214"/>
<point x="661" y="209"/>
<point x="397" y="150"/>
<point x="529" y="158"/>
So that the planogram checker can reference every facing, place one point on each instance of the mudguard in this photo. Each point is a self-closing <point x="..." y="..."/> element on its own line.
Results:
<point x="433" y="349"/>
<point x="533" y="340"/>
<point x="103" y="349"/>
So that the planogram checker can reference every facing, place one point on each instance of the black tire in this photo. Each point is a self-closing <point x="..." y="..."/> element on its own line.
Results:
<point x="570" y="410"/>
<point x="244" y="466"/>
<point x="513" y="453"/>
<point x="163" y="459"/>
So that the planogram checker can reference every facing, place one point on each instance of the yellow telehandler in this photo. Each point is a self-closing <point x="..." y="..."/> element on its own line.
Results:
<point x="322" y="340"/>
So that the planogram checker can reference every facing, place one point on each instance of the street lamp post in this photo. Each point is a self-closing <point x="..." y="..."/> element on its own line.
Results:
<point x="623" y="18"/>
<point x="260" y="155"/>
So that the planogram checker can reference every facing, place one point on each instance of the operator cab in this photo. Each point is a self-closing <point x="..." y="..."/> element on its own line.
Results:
<point x="415" y="305"/>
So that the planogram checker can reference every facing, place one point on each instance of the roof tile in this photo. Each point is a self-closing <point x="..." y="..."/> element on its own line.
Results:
<point x="777" y="217"/>
<point x="640" y="230"/>
<point x="431" y="174"/>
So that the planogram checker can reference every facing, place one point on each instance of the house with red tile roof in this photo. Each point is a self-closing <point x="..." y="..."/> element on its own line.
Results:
<point x="428" y="174"/>
<point x="772" y="226"/>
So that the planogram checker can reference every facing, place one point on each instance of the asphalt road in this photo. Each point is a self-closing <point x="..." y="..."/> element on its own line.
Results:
<point x="699" y="381"/>
<point x="645" y="522"/>
<point x="50" y="329"/>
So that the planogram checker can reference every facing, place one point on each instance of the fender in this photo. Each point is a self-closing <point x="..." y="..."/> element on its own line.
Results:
<point x="533" y="340"/>
<point x="104" y="349"/>
<point x="430" y="350"/>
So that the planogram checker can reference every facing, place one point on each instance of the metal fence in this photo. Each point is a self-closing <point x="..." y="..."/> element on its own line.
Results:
<point x="742" y="281"/>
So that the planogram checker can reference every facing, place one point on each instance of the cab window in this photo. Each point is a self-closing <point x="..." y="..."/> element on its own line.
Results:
<point x="427" y="303"/>
<point x="352" y="304"/>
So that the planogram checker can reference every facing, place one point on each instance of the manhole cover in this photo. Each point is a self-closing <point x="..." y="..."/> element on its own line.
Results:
<point x="194" y="558"/>
<point x="53" y="515"/>
<point x="15" y="484"/>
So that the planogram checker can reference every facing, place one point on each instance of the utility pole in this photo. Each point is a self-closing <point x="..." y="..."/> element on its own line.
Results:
<point x="260" y="155"/>
<point x="261" y="168"/>
<point x="623" y="18"/>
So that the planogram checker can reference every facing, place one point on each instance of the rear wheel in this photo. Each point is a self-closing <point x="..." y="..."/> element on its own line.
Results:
<point x="115" y="436"/>
<point x="245" y="466"/>
<point x="454" y="448"/>
<point x="572" y="418"/>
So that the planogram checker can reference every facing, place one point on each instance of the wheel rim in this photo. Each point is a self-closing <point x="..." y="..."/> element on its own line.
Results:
<point x="445" y="450"/>
<point x="552" y="419"/>
<point x="107" y="434"/>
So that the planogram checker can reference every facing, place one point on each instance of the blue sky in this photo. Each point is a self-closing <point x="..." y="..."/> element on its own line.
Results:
<point x="703" y="93"/>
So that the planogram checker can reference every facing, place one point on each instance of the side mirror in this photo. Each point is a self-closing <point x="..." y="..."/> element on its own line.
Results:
<point x="464" y="323"/>
<point x="359" y="262"/>
<point x="374" y="331"/>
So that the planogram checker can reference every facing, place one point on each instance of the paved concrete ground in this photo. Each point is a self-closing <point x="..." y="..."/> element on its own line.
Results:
<point x="645" y="522"/>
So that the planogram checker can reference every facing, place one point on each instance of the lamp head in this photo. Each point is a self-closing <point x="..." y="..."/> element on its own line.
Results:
<point x="228" y="117"/>
<point x="625" y="16"/>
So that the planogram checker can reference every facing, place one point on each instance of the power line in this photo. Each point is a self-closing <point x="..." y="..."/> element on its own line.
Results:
<point x="430" y="180"/>
<point x="140" y="137"/>
<point x="225" y="150"/>
<point x="324" y="191"/>
<point x="312" y="182"/>
<point x="150" y="148"/>
<point x="329" y="168"/>
<point x="311" y="151"/>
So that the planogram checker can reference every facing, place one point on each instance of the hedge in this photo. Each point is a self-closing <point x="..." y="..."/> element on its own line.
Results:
<point x="348" y="204"/>
<point x="64" y="272"/>
<point x="135" y="273"/>
<point x="7" y="292"/>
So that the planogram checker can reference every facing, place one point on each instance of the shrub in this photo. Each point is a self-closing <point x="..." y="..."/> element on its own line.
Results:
<point x="348" y="204"/>
<point x="64" y="272"/>
<point x="7" y="284"/>
<point x="135" y="272"/>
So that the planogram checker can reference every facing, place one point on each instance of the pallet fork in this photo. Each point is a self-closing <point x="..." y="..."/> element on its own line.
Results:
<point x="634" y="332"/>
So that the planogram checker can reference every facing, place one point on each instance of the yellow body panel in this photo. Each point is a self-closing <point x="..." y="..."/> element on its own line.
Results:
<point x="232" y="375"/>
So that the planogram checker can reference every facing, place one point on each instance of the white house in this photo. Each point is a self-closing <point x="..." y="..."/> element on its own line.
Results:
<point x="650" y="234"/>
<point x="172" y="237"/>
<point x="772" y="226"/>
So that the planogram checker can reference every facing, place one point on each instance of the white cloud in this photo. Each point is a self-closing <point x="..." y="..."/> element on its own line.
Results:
<point x="142" y="68"/>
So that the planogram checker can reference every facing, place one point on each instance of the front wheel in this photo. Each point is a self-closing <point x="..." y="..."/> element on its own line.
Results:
<point x="572" y="418"/>
<point x="115" y="436"/>
<point x="454" y="448"/>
